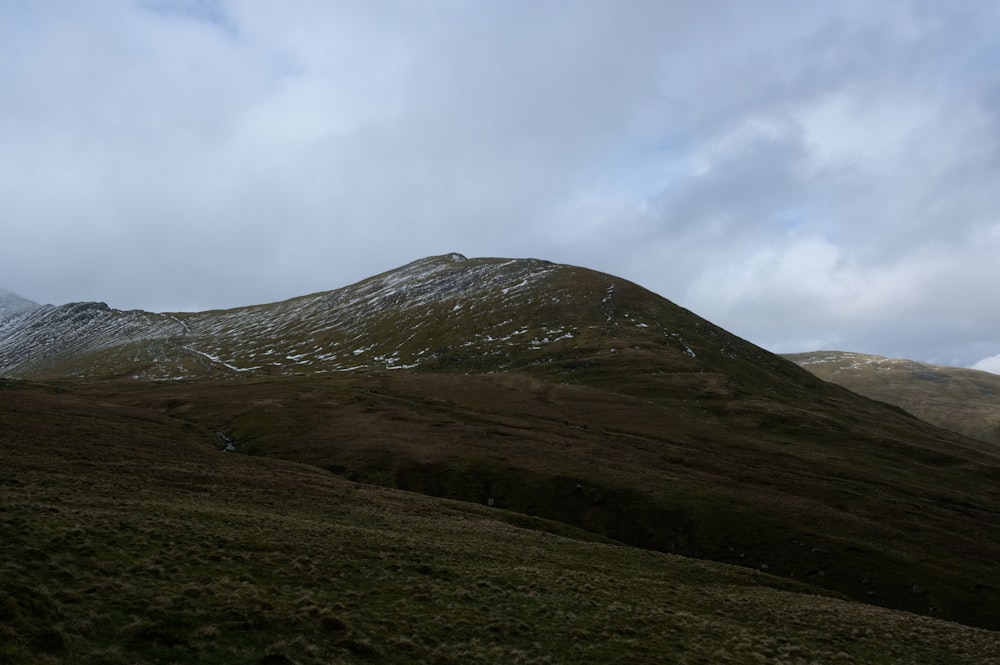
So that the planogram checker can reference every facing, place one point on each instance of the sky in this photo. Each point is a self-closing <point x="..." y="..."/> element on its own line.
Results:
<point x="806" y="174"/>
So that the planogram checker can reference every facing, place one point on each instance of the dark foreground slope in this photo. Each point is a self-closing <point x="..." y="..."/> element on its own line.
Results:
<point x="842" y="495"/>
<point x="962" y="400"/>
<point x="126" y="536"/>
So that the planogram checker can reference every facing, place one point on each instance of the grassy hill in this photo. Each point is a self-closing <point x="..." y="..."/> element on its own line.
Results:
<point x="962" y="400"/>
<point x="542" y="397"/>
<point x="127" y="536"/>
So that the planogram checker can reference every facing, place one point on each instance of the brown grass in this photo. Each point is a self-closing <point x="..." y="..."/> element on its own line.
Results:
<point x="128" y="537"/>
<point x="837" y="492"/>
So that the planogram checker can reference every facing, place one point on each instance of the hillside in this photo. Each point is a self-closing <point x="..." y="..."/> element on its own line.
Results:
<point x="567" y="395"/>
<point x="442" y="313"/>
<point x="962" y="400"/>
<point x="127" y="536"/>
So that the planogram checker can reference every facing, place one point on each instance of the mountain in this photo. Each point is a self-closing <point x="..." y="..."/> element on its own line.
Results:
<point x="560" y="394"/>
<point x="443" y="313"/>
<point x="13" y="306"/>
<point x="962" y="400"/>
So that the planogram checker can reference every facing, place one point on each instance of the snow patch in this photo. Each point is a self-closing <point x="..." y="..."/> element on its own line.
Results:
<point x="687" y="349"/>
<point x="219" y="361"/>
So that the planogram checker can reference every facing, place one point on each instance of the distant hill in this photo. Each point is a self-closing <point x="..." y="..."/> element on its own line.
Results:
<point x="962" y="400"/>
<point x="558" y="394"/>
<point x="13" y="306"/>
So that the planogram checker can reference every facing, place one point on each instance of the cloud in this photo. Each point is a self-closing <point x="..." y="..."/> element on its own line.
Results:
<point x="990" y="364"/>
<point x="807" y="174"/>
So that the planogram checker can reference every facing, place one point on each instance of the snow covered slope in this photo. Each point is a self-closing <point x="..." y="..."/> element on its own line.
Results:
<point x="443" y="313"/>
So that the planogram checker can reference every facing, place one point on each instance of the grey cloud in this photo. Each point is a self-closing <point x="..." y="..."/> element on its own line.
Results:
<point x="807" y="172"/>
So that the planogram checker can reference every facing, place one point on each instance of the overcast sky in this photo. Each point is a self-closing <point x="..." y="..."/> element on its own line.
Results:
<point x="808" y="175"/>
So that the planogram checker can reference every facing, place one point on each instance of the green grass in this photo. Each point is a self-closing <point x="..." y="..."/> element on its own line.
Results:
<point x="126" y="537"/>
